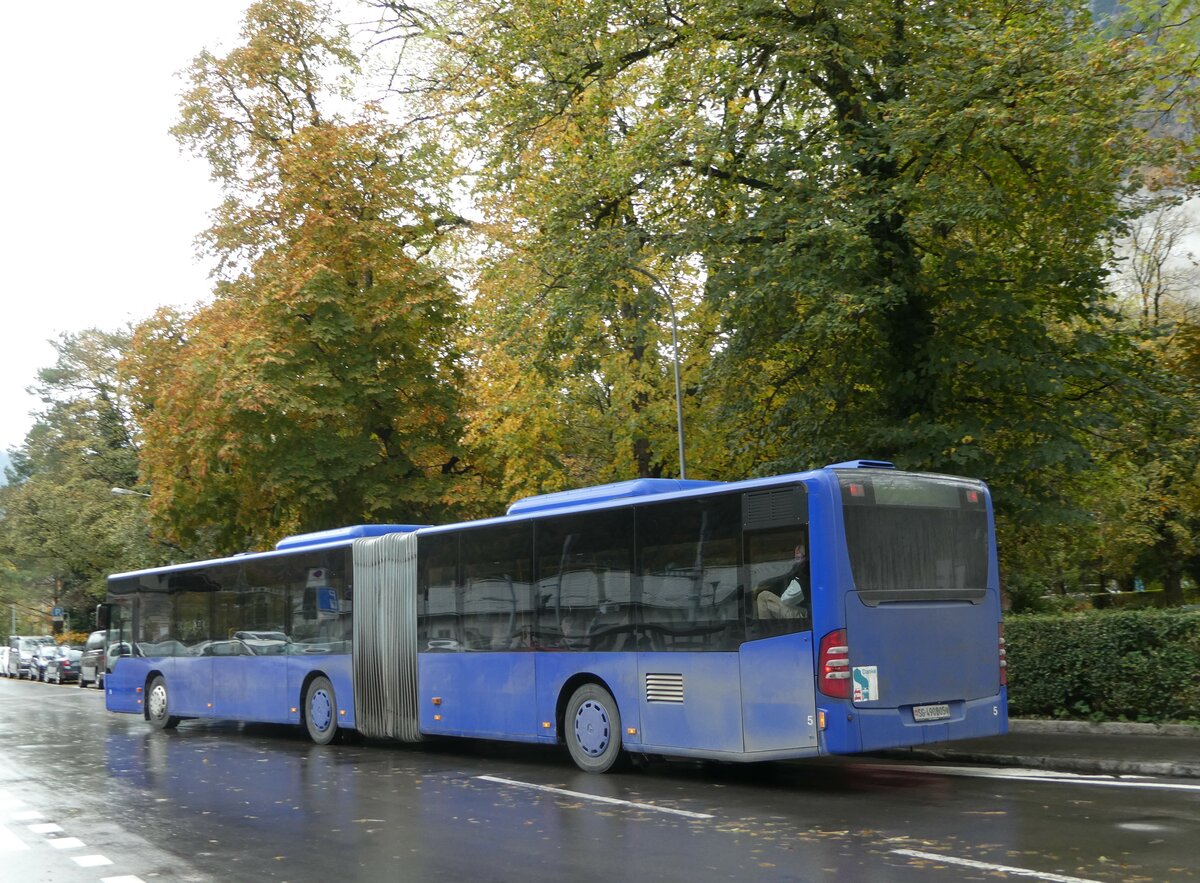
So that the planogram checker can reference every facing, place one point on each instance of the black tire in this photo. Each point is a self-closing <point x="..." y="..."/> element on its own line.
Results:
<point x="592" y="729"/>
<point x="156" y="705"/>
<point x="320" y="711"/>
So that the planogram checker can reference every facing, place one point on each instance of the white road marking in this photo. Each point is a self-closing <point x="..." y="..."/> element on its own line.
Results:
<point x="128" y="878"/>
<point x="10" y="842"/>
<point x="988" y="866"/>
<point x="46" y="828"/>
<point x="27" y="816"/>
<point x="1017" y="774"/>
<point x="91" y="861"/>
<point x="596" y="798"/>
<point x="65" y="842"/>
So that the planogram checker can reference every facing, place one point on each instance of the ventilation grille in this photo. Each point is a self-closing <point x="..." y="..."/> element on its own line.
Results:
<point x="664" y="688"/>
<point x="774" y="507"/>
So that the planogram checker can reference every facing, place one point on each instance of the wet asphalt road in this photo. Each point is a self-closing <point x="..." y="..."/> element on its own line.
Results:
<point x="87" y="796"/>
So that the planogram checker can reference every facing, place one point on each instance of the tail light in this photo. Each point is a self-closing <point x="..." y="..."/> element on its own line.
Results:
<point x="1003" y="659"/>
<point x="834" y="665"/>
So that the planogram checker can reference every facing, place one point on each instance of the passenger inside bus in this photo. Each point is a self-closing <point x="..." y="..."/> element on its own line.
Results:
<point x="785" y="596"/>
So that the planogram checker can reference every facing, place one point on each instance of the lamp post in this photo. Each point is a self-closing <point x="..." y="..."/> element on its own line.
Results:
<point x="662" y="292"/>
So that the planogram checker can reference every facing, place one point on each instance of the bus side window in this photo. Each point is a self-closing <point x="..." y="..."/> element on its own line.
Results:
<point x="688" y="555"/>
<point x="780" y="580"/>
<point x="438" y="615"/>
<point x="585" y="580"/>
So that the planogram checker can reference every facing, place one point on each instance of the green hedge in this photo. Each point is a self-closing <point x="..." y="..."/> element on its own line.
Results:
<point x="1124" y="665"/>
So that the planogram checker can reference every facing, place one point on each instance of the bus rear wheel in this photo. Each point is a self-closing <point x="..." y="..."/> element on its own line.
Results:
<point x="156" y="705"/>
<point x="593" y="729"/>
<point x="320" y="711"/>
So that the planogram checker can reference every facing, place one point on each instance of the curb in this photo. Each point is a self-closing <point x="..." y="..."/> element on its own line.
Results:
<point x="1087" y="728"/>
<point x="1185" y="736"/>
<point x="1078" y="765"/>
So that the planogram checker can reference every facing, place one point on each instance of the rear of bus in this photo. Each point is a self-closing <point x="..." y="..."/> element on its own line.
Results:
<point x="909" y="639"/>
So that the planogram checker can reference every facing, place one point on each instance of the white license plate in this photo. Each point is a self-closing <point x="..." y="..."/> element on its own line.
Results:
<point x="930" y="712"/>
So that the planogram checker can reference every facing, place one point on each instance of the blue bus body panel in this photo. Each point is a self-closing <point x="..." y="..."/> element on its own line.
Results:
<point x="189" y="683"/>
<point x="477" y="694"/>
<point x="264" y="689"/>
<point x="710" y="716"/>
<point x="777" y="690"/>
<point x="735" y="705"/>
<point x="123" y="686"/>
<point x="923" y="653"/>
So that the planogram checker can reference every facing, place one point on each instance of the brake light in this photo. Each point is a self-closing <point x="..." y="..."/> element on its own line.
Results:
<point x="1003" y="658"/>
<point x="834" y="665"/>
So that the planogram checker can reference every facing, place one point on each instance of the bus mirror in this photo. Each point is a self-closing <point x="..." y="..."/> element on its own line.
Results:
<point x="102" y="616"/>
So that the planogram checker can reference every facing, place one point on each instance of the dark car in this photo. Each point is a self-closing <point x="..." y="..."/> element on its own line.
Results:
<point x="92" y="662"/>
<point x="63" y="668"/>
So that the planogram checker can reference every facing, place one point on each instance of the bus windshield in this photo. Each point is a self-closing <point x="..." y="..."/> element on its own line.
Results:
<point x="915" y="537"/>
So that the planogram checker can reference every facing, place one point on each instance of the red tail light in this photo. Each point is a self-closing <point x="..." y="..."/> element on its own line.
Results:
<point x="1003" y="659"/>
<point x="834" y="665"/>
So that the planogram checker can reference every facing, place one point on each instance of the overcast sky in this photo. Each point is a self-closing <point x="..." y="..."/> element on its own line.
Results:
<point x="100" y="208"/>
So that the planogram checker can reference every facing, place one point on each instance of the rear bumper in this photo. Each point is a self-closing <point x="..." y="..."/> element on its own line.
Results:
<point x="876" y="729"/>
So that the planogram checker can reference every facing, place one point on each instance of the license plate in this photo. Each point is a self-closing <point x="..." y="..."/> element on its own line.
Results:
<point x="930" y="712"/>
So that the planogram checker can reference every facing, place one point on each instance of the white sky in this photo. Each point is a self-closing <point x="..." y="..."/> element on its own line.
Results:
<point x="100" y="208"/>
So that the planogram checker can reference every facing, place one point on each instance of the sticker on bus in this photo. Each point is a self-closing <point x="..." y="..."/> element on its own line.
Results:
<point x="866" y="683"/>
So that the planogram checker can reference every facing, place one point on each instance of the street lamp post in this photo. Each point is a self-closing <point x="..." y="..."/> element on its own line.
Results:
<point x="662" y="291"/>
<point x="126" y="492"/>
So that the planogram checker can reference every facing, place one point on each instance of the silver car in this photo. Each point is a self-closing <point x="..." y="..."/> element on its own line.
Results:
<point x="92" y="663"/>
<point x="20" y="655"/>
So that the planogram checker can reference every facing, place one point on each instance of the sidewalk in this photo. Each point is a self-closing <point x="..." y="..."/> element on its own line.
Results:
<point x="1074" y="746"/>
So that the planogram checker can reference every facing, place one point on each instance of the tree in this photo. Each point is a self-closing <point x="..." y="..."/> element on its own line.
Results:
<point x="898" y="217"/>
<point x="62" y="531"/>
<point x="321" y="386"/>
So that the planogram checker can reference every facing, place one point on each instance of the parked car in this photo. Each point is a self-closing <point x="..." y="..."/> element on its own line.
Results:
<point x="63" y="668"/>
<point x="91" y="662"/>
<point x="41" y="658"/>
<point x="20" y="654"/>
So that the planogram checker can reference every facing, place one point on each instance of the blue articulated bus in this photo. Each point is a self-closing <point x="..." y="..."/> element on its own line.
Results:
<point x="852" y="608"/>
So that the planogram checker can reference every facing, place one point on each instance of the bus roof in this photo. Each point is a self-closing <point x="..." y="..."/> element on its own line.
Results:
<point x="606" y="496"/>
<point x="320" y="540"/>
<point x="354" y="532"/>
<point x="621" y="490"/>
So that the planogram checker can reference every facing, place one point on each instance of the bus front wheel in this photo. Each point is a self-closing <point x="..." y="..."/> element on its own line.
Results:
<point x="593" y="729"/>
<point x="320" y="710"/>
<point x="156" y="705"/>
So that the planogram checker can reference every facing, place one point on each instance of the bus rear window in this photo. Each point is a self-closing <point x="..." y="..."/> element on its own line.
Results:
<point x="915" y="537"/>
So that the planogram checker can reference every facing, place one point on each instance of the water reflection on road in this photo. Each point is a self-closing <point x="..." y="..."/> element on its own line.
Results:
<point x="226" y="802"/>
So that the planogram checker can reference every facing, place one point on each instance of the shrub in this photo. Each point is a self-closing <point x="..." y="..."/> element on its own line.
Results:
<point x="1135" y="665"/>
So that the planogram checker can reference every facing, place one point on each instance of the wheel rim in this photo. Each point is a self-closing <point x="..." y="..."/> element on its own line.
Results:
<point x="158" y="701"/>
<point x="592" y="729"/>
<point x="320" y="710"/>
